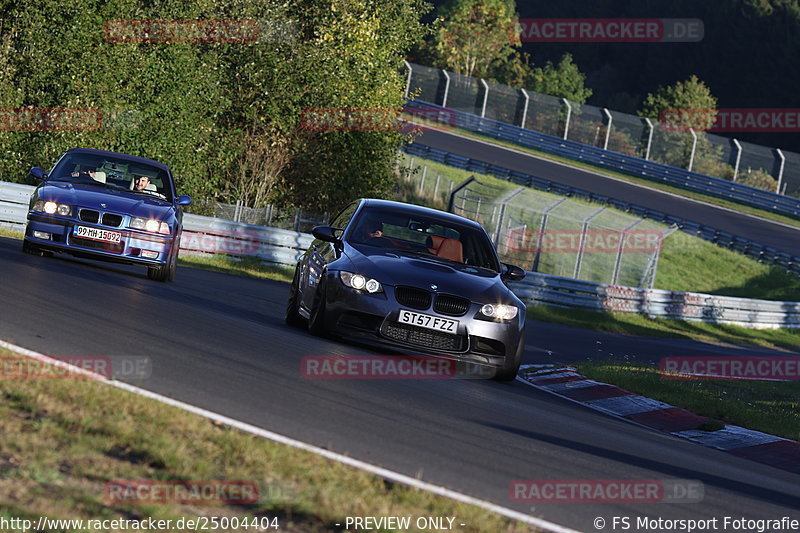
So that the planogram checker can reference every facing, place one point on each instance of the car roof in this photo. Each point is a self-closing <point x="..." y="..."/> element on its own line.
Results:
<point x="134" y="158"/>
<point x="419" y="210"/>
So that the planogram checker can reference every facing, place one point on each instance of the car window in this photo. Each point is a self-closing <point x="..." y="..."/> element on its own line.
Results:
<point x="114" y="173"/>
<point x="343" y="218"/>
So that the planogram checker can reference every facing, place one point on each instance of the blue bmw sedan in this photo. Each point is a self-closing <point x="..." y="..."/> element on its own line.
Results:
<point x="108" y="206"/>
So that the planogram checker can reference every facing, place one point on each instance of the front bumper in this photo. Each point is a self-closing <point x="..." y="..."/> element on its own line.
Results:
<point x="374" y="317"/>
<point x="134" y="246"/>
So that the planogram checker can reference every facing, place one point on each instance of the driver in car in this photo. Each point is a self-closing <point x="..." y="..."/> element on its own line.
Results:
<point x="140" y="183"/>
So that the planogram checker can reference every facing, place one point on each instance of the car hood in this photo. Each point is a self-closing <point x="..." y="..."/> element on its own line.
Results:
<point x="93" y="196"/>
<point x="390" y="268"/>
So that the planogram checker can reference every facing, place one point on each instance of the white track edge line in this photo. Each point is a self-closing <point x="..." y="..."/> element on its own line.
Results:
<point x="276" y="437"/>
<point x="598" y="173"/>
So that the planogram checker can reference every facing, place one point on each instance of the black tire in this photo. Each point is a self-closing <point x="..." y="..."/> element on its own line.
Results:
<point x="32" y="249"/>
<point x="316" y="320"/>
<point x="509" y="371"/>
<point x="292" y="316"/>
<point x="165" y="272"/>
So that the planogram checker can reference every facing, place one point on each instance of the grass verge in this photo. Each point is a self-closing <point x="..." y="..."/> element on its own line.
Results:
<point x="634" y="324"/>
<point x="61" y="444"/>
<point x="729" y="204"/>
<point x="241" y="266"/>
<point x="768" y="406"/>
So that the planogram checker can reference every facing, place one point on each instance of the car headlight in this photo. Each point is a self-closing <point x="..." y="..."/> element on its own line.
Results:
<point x="52" y="208"/>
<point x="499" y="311"/>
<point x="360" y="282"/>
<point x="149" y="224"/>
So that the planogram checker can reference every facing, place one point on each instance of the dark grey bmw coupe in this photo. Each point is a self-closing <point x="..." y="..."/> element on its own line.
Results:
<point x="414" y="278"/>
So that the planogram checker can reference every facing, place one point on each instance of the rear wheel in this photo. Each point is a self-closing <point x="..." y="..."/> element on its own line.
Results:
<point x="292" y="316"/>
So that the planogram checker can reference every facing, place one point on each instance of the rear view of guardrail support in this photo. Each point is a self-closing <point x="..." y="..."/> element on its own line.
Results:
<point x="569" y="116"/>
<point x="579" y="259"/>
<point x="408" y="78"/>
<point x="608" y="127"/>
<point x="694" y="149"/>
<point x="485" y="97"/>
<point x="779" y="153"/>
<point x="446" y="87"/>
<point x="738" y="158"/>
<point x="649" y="138"/>
<point x="524" y="109"/>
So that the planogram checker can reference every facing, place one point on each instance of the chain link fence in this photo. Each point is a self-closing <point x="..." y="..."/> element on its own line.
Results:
<point x="715" y="155"/>
<point x="556" y="235"/>
<point x="271" y="216"/>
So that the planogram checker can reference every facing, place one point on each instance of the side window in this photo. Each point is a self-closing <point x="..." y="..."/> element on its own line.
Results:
<point x="344" y="216"/>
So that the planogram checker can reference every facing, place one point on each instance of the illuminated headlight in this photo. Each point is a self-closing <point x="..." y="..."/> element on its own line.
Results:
<point x="360" y="283"/>
<point x="151" y="225"/>
<point x="499" y="311"/>
<point x="51" y="208"/>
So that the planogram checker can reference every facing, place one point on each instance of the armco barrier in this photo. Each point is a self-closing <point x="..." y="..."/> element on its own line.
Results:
<point x="678" y="177"/>
<point x="201" y="235"/>
<point x="747" y="247"/>
<point x="213" y="235"/>
<point x="566" y="292"/>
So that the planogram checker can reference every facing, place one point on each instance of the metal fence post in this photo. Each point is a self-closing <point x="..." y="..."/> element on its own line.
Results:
<point x="738" y="158"/>
<point x="408" y="78"/>
<point x="436" y="187"/>
<point x="485" y="97"/>
<point x="478" y="208"/>
<point x="694" y="148"/>
<point x="540" y="237"/>
<point x="503" y="201"/>
<point x="608" y="128"/>
<point x="524" y="109"/>
<point x="649" y="138"/>
<point x="579" y="259"/>
<point x="422" y="181"/>
<point x="451" y="204"/>
<point x="569" y="116"/>
<point x="618" y="261"/>
<point x="780" y="169"/>
<point x="446" y="87"/>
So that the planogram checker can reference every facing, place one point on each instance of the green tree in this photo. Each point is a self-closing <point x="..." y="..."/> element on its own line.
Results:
<point x="687" y="104"/>
<point x="564" y="80"/>
<point x="474" y="37"/>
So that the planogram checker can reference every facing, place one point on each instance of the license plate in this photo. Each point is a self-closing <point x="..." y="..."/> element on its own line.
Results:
<point x="96" y="234"/>
<point x="428" y="321"/>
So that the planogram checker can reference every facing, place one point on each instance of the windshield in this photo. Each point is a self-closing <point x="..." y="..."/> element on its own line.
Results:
<point x="114" y="173"/>
<point x="433" y="238"/>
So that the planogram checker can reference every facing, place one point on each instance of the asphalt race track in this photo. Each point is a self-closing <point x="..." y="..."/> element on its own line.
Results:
<point x="780" y="237"/>
<point x="218" y="341"/>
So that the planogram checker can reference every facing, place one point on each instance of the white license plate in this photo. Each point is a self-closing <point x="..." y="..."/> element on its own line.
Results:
<point x="96" y="234"/>
<point x="428" y="321"/>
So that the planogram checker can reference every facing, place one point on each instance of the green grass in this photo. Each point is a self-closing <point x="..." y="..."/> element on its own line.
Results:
<point x="768" y="406"/>
<point x="242" y="266"/>
<point x="736" y="206"/>
<point x="635" y="324"/>
<point x="61" y="443"/>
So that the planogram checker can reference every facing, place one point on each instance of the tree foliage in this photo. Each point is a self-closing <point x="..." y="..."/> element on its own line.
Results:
<point x="564" y="80"/>
<point x="225" y="115"/>
<point x="686" y="104"/>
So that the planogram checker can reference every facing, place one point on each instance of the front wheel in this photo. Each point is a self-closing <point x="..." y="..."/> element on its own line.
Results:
<point x="316" y="320"/>
<point x="29" y="248"/>
<point x="165" y="272"/>
<point x="509" y="370"/>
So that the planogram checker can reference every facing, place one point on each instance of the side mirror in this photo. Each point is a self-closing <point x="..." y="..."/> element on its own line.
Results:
<point x="325" y="233"/>
<point x="38" y="173"/>
<point x="183" y="199"/>
<point x="512" y="272"/>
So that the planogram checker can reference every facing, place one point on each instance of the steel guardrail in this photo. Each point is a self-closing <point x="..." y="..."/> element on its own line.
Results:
<point x="636" y="166"/>
<point x="207" y="235"/>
